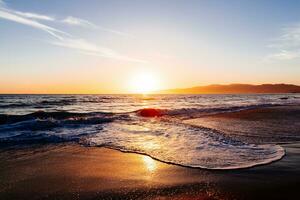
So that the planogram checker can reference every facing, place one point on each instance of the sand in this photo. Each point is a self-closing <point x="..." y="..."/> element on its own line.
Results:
<point x="72" y="171"/>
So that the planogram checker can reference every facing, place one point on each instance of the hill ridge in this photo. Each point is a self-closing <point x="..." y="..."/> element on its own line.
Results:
<point x="236" y="88"/>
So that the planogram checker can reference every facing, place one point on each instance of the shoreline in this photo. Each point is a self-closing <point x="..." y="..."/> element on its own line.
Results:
<point x="107" y="172"/>
<point x="73" y="171"/>
<point x="192" y="167"/>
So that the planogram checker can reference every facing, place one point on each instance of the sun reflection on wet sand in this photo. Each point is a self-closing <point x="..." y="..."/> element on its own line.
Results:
<point x="149" y="163"/>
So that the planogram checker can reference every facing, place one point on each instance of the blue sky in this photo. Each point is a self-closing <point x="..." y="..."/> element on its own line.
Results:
<point x="98" y="46"/>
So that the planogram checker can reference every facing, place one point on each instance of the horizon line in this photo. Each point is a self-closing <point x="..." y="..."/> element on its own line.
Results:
<point x="165" y="91"/>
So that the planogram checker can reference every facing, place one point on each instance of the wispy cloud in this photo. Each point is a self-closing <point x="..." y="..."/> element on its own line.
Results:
<point x="85" y="23"/>
<point x="283" y="55"/>
<point x="35" y="16"/>
<point x="62" y="38"/>
<point x="3" y="7"/>
<point x="287" y="45"/>
<point x="8" y="15"/>
<point x="78" y="22"/>
<point x="88" y="48"/>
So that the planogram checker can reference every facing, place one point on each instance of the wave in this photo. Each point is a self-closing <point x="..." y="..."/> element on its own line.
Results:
<point x="145" y="112"/>
<point x="39" y="104"/>
<point x="14" y="105"/>
<point x="185" y="145"/>
<point x="58" y="102"/>
<point x="59" y="126"/>
<point x="197" y="112"/>
<point x="61" y="115"/>
<point x="148" y="131"/>
<point x="277" y="154"/>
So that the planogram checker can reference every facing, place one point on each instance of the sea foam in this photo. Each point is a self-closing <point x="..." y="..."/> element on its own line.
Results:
<point x="185" y="145"/>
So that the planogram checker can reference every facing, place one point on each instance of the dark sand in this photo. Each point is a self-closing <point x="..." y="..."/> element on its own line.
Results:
<point x="280" y="124"/>
<point x="71" y="171"/>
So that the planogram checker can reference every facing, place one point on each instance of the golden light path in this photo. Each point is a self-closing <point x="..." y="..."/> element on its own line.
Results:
<point x="149" y="163"/>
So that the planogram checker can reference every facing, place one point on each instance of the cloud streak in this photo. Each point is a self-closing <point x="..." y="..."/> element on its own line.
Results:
<point x="8" y="15"/>
<point x="74" y="21"/>
<point x="34" y="16"/>
<point x="88" y="48"/>
<point x="287" y="45"/>
<point x="62" y="38"/>
<point x="78" y="22"/>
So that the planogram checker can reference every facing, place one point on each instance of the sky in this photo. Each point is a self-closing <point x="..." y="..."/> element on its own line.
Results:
<point x="97" y="46"/>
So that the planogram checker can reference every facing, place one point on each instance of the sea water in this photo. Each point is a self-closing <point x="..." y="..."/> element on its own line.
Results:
<point x="117" y="121"/>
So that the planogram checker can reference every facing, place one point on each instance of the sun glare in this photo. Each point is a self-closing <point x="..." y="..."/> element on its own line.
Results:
<point x="143" y="83"/>
<point x="149" y="163"/>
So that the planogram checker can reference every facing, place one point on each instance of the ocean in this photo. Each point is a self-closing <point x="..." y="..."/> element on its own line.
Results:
<point x="156" y="125"/>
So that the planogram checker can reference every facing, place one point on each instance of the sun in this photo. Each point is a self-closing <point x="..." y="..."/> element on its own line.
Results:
<point x="143" y="83"/>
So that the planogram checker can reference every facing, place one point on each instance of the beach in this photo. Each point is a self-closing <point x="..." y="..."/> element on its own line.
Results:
<point x="149" y="100"/>
<point x="73" y="171"/>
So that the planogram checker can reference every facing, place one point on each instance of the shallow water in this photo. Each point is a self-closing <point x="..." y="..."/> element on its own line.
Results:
<point x="115" y="121"/>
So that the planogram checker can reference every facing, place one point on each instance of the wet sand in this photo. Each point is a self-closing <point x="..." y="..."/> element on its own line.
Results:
<point x="279" y="124"/>
<point x="71" y="171"/>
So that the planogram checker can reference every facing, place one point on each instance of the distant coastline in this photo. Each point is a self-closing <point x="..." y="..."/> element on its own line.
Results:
<point x="235" y="89"/>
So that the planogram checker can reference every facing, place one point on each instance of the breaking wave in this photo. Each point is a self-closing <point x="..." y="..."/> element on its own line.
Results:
<point x="159" y="133"/>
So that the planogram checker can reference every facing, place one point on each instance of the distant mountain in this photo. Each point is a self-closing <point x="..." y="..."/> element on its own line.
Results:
<point x="236" y="89"/>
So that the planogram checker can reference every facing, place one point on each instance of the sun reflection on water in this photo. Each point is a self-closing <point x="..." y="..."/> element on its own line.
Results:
<point x="149" y="163"/>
